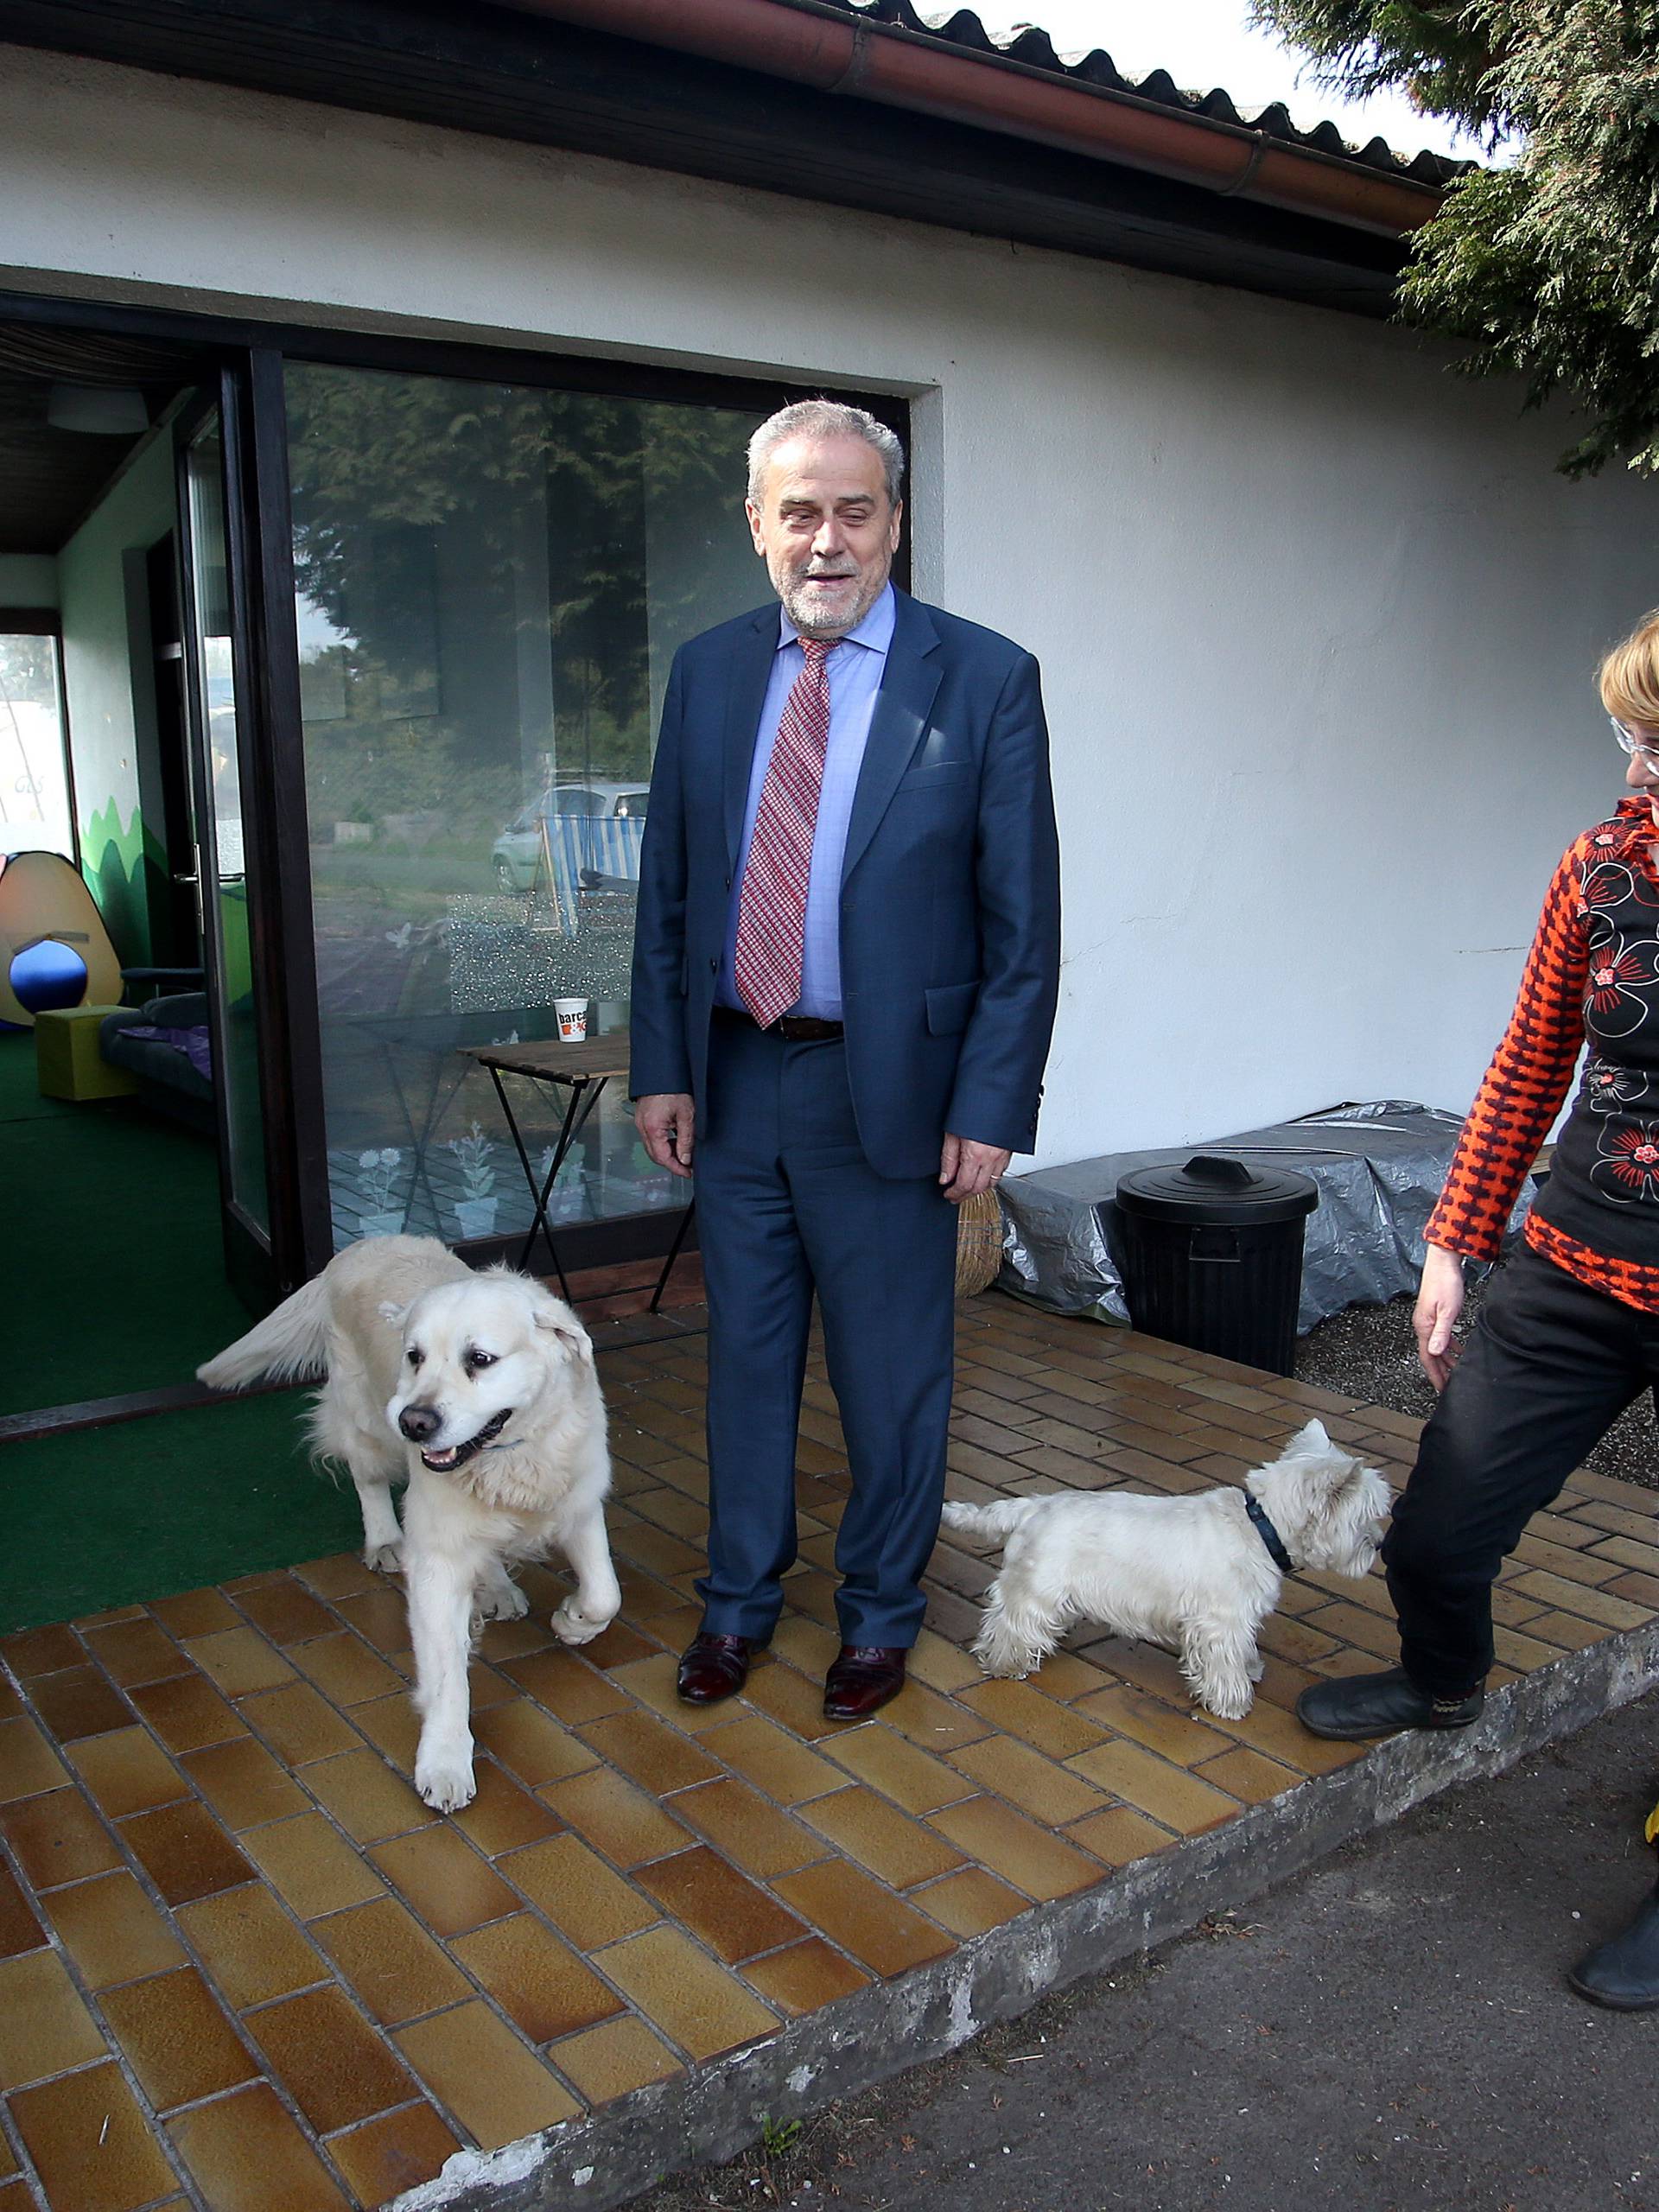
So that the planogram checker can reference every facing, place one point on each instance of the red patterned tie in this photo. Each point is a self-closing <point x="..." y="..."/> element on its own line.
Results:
<point x="771" y="908"/>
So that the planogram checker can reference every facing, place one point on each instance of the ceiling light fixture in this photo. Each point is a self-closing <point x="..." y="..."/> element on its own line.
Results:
<point x="102" y="410"/>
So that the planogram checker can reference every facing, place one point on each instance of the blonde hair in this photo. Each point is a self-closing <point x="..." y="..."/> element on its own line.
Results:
<point x="1629" y="676"/>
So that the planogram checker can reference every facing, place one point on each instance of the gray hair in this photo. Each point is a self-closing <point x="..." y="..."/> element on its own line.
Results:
<point x="824" y="418"/>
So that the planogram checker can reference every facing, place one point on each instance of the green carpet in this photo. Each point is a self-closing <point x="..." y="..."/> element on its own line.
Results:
<point x="114" y="1277"/>
<point x="106" y="1516"/>
<point x="113" y="1281"/>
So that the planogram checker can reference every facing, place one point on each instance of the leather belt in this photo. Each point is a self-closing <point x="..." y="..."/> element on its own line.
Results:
<point x="794" y="1028"/>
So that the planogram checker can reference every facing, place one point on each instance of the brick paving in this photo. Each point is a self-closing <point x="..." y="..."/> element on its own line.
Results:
<point x="243" y="1966"/>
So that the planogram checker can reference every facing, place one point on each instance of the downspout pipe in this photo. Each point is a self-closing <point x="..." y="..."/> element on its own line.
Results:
<point x="809" y="43"/>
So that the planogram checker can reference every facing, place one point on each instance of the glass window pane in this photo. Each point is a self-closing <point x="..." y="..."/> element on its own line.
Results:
<point x="35" y="815"/>
<point x="493" y="581"/>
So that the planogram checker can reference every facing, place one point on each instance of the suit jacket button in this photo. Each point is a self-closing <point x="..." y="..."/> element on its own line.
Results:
<point x="714" y="967"/>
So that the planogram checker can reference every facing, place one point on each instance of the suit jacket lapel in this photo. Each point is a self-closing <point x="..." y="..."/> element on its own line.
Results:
<point x="746" y="694"/>
<point x="908" y="684"/>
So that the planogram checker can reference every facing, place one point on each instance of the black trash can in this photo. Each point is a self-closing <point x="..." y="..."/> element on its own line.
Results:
<point x="1212" y="1257"/>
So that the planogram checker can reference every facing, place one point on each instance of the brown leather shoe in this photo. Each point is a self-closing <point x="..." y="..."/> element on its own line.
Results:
<point x="862" y="1679"/>
<point x="713" y="1666"/>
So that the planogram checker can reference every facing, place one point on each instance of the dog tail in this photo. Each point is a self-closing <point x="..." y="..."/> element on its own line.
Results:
<point x="991" y="1521"/>
<point x="290" y="1343"/>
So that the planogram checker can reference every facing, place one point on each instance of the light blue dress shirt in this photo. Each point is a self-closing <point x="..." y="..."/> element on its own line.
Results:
<point x="855" y="669"/>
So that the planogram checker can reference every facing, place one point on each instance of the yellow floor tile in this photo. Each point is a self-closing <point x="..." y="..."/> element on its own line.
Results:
<point x="90" y="2143"/>
<point x="915" y="1779"/>
<point x="1118" y="1836"/>
<point x="897" y="1848"/>
<point x="538" y="1981"/>
<point x="1181" y="1735"/>
<point x="1032" y="1857"/>
<point x="579" y="1893"/>
<point x="308" y="1863"/>
<point x="1168" y="1793"/>
<point x="1049" y="1792"/>
<point x="495" y="2085"/>
<point x="44" y="2026"/>
<point x="774" y="1760"/>
<point x="617" y="1818"/>
<point x="697" y="2004"/>
<point x="969" y="1901"/>
<point x="391" y="1960"/>
<point x="609" y="2060"/>
<point x="1020" y="1710"/>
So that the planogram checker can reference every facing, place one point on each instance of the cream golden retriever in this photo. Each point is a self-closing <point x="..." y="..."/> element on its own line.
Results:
<point x="480" y="1390"/>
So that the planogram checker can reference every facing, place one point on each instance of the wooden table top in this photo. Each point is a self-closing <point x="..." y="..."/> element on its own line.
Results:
<point x="554" y="1061"/>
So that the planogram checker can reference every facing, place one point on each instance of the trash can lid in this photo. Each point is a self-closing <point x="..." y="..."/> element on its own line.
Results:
<point x="1211" y="1189"/>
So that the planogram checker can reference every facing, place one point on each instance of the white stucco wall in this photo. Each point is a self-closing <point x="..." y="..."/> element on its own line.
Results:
<point x="1317" y="620"/>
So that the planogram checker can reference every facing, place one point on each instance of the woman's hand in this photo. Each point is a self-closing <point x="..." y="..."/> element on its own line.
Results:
<point x="1440" y="1301"/>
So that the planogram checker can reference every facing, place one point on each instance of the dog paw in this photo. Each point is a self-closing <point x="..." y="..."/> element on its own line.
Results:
<point x="384" y="1559"/>
<point x="445" y="1784"/>
<point x="571" y="1626"/>
<point x="1226" y="1706"/>
<point x="506" y="1604"/>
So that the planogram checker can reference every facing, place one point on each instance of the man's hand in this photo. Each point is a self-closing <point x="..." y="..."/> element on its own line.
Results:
<point x="667" y="1120"/>
<point x="1440" y="1301"/>
<point x="966" y="1166"/>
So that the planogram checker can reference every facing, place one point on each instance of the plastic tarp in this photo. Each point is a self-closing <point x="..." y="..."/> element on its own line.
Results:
<point x="1379" y="1167"/>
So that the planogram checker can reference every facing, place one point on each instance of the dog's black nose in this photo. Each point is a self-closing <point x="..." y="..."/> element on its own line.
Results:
<point x="418" y="1422"/>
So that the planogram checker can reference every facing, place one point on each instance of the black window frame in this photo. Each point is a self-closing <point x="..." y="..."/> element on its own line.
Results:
<point x="256" y="350"/>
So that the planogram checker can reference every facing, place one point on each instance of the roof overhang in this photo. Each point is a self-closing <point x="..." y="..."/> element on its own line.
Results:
<point x="907" y="122"/>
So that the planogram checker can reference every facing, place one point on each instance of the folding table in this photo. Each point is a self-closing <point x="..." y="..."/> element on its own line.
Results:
<point x="583" y="1069"/>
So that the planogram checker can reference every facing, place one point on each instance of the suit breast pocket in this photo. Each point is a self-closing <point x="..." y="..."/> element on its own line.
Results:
<point x="940" y="777"/>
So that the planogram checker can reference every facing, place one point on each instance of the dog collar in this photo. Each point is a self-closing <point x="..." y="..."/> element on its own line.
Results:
<point x="1269" y="1535"/>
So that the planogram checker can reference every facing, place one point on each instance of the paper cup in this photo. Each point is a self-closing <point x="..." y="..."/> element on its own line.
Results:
<point x="573" y="1019"/>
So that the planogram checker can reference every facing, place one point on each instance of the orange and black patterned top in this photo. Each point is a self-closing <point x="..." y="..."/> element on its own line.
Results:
<point x="1593" y="973"/>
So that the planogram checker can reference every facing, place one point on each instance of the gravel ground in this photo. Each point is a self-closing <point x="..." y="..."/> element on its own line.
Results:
<point x="1369" y="1351"/>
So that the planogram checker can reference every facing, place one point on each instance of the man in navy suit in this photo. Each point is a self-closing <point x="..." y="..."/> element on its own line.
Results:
<point x="846" y="964"/>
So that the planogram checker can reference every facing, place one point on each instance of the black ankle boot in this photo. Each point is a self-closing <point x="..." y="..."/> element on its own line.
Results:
<point x="1623" y="1972"/>
<point x="1352" y="1708"/>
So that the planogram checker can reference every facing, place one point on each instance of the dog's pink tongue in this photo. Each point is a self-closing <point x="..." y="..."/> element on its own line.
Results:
<point x="445" y="1458"/>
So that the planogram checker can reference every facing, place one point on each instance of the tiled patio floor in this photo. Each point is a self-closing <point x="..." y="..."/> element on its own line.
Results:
<point x="242" y="1966"/>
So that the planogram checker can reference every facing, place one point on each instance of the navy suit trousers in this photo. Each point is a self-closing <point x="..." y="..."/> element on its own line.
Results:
<point x="787" y="1203"/>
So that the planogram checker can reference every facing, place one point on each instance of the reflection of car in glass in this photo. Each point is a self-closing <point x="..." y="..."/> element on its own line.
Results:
<point x="517" y="853"/>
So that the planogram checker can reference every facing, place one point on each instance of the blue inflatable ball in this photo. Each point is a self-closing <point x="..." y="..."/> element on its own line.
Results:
<point x="49" y="975"/>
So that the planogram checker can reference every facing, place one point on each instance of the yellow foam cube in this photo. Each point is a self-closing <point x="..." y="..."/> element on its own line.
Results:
<point x="67" y="1062"/>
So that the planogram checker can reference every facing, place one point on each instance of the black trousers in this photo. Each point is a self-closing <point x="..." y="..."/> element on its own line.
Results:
<point x="1548" y="1368"/>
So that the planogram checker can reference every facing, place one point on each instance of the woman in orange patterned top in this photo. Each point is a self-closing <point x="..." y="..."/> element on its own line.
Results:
<point x="1568" y="1335"/>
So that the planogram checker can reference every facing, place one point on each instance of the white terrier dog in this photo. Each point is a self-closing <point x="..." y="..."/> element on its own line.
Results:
<point x="1198" y="1575"/>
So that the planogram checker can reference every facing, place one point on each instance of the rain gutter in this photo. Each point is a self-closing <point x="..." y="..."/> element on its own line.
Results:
<point x="809" y="42"/>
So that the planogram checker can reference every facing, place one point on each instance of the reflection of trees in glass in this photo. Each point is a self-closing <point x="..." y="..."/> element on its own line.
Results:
<point x="542" y="507"/>
<point x="33" y="790"/>
<point x="29" y="669"/>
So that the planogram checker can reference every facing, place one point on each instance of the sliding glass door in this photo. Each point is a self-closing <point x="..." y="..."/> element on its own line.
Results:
<point x="491" y="582"/>
<point x="217" y="715"/>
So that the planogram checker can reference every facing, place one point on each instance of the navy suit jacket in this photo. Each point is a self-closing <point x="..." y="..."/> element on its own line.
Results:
<point x="950" y="892"/>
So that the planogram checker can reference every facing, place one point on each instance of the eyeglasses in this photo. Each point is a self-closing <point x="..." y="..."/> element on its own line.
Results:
<point x="1639" y="748"/>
